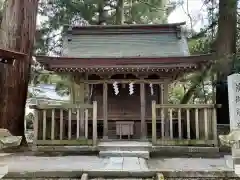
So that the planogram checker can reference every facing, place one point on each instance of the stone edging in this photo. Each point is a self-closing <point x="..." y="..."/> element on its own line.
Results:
<point x="120" y="174"/>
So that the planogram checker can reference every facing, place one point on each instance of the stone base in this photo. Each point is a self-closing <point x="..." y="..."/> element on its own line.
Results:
<point x="110" y="174"/>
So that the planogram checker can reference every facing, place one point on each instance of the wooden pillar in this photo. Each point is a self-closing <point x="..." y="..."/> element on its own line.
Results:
<point x="143" y="110"/>
<point x="94" y="123"/>
<point x="165" y="101"/>
<point x="105" y="110"/>
<point x="77" y="97"/>
<point x="154" y="123"/>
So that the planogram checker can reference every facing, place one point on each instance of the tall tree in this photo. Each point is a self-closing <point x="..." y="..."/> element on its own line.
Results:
<point x="223" y="44"/>
<point x="225" y="49"/>
<point x="17" y="33"/>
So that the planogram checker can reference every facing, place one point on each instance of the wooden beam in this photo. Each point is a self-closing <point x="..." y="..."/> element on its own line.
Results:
<point x="61" y="106"/>
<point x="124" y="81"/>
<point x="188" y="106"/>
<point x="4" y="53"/>
<point x="8" y="56"/>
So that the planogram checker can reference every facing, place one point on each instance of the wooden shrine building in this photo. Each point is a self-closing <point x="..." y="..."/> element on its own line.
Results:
<point x="127" y="70"/>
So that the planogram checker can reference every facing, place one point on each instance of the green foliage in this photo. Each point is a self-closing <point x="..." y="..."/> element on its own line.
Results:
<point x="200" y="46"/>
<point x="61" y="12"/>
<point x="176" y="93"/>
<point x="63" y="88"/>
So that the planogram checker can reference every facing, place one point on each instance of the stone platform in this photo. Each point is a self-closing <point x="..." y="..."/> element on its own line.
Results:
<point x="29" y="166"/>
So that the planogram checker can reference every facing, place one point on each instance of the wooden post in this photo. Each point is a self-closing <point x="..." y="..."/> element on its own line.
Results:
<point x="86" y="123"/>
<point x="77" y="97"/>
<point x="94" y="121"/>
<point x="165" y="101"/>
<point x="154" y="128"/>
<point x="105" y="111"/>
<point x="143" y="110"/>
<point x="18" y="29"/>
<point x="35" y="127"/>
<point x="214" y="125"/>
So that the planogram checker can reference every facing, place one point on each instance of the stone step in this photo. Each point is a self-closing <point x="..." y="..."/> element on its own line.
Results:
<point x="140" y="154"/>
<point x="122" y="179"/>
<point x="124" y="148"/>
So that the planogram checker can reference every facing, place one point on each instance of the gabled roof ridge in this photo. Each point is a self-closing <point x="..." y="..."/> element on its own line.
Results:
<point x="125" y="26"/>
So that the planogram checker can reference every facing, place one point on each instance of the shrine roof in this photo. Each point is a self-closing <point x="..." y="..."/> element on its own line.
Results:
<point x="71" y="64"/>
<point x="111" y="41"/>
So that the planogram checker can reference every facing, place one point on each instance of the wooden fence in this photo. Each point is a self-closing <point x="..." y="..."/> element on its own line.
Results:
<point x="65" y="124"/>
<point x="184" y="124"/>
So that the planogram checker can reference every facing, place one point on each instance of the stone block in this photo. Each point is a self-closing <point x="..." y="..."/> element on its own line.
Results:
<point x="7" y="140"/>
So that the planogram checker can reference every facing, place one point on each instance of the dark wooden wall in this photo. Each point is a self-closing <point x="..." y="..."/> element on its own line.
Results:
<point x="124" y="105"/>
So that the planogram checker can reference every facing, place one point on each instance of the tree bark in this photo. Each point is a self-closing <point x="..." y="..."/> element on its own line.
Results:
<point x="225" y="48"/>
<point x="17" y="33"/>
<point x="225" y="45"/>
<point x="120" y="12"/>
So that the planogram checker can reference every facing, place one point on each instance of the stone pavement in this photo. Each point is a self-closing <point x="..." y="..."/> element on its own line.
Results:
<point x="125" y="164"/>
<point x="189" y="164"/>
<point x="22" y="163"/>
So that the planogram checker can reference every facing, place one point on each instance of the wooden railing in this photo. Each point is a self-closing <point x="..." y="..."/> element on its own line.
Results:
<point x="184" y="124"/>
<point x="65" y="124"/>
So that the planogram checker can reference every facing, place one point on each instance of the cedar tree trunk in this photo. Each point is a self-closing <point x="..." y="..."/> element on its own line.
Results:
<point x="225" y="48"/>
<point x="17" y="33"/>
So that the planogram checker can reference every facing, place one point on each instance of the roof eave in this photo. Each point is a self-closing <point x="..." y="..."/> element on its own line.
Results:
<point x="68" y="62"/>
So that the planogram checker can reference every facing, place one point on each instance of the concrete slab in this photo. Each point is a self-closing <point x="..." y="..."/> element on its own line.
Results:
<point x="133" y="164"/>
<point x="115" y="163"/>
<point x="21" y="163"/>
<point x="143" y="164"/>
<point x="189" y="164"/>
